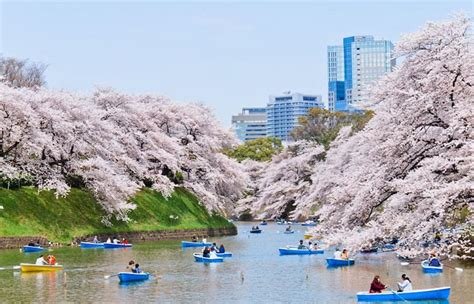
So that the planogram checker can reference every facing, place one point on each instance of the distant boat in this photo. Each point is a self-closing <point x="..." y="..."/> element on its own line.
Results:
<point x="441" y="293"/>
<point x="425" y="265"/>
<point x="289" y="231"/>
<point x="25" y="267"/>
<point x="340" y="262"/>
<point x="130" y="276"/>
<point x="91" y="245"/>
<point x="28" y="248"/>
<point x="369" y="250"/>
<point x="256" y="231"/>
<point x="309" y="224"/>
<point x="296" y="251"/>
<point x="113" y="245"/>
<point x="263" y="223"/>
<point x="199" y="258"/>
<point x="194" y="244"/>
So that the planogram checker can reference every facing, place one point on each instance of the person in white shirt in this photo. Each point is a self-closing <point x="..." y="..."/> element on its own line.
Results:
<point x="405" y="285"/>
<point x="108" y="240"/>
<point x="41" y="261"/>
<point x="337" y="254"/>
<point x="204" y="240"/>
<point x="115" y="240"/>
<point x="311" y="246"/>
<point x="213" y="254"/>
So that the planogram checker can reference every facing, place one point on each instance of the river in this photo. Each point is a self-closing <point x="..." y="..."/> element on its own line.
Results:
<point x="255" y="274"/>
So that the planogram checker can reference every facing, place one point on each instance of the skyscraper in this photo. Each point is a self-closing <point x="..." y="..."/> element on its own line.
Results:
<point x="283" y="112"/>
<point x="250" y="124"/>
<point x="353" y="66"/>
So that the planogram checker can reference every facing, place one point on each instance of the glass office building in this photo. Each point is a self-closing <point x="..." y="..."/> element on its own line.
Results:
<point x="353" y="67"/>
<point x="283" y="112"/>
<point x="250" y="124"/>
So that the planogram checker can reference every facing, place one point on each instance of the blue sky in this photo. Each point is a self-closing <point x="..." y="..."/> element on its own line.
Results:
<point x="225" y="54"/>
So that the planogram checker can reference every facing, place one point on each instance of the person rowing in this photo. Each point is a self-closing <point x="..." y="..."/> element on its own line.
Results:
<point x="130" y="266"/>
<point x="206" y="252"/>
<point x="222" y="249"/>
<point x="51" y="259"/>
<point x="345" y="254"/>
<point x="405" y="285"/>
<point x="377" y="286"/>
<point x="337" y="254"/>
<point x="213" y="254"/>
<point x="136" y="269"/>
<point x="301" y="245"/>
<point x="41" y="261"/>
<point x="434" y="261"/>
<point x="288" y="228"/>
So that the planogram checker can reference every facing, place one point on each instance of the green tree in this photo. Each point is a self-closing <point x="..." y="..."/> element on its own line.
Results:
<point x="260" y="149"/>
<point x="323" y="126"/>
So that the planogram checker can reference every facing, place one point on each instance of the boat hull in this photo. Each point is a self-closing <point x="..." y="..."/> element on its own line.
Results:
<point x="422" y="294"/>
<point x="289" y="232"/>
<point x="185" y="244"/>
<point x="132" y="277"/>
<point x="112" y="245"/>
<point x="339" y="262"/>
<point x="24" y="267"/>
<point x="91" y="245"/>
<point x="224" y="254"/>
<point x="295" y="251"/>
<point x="200" y="259"/>
<point x="431" y="269"/>
<point x="256" y="231"/>
<point x="32" y="248"/>
<point x="308" y="224"/>
<point x="263" y="223"/>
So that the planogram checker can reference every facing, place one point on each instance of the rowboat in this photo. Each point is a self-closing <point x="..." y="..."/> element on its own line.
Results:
<point x="307" y="236"/>
<point x="199" y="258"/>
<point x="224" y="254"/>
<point x="25" y="267"/>
<point x="289" y="232"/>
<point x="130" y="276"/>
<point x="369" y="250"/>
<point x="340" y="262"/>
<point x="194" y="244"/>
<point x="431" y="269"/>
<point x="308" y="224"/>
<point x="32" y="248"/>
<point x="296" y="251"/>
<point x="263" y="223"/>
<point x="91" y="245"/>
<point x="441" y="293"/>
<point x="113" y="245"/>
<point x="256" y="231"/>
<point x="389" y="248"/>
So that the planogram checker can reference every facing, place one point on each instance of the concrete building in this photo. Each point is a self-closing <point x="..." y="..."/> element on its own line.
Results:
<point x="284" y="110"/>
<point x="250" y="124"/>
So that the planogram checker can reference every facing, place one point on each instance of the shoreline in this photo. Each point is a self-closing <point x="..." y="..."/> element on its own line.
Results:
<point x="15" y="242"/>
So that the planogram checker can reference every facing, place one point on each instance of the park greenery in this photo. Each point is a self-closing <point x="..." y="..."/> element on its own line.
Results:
<point x="260" y="149"/>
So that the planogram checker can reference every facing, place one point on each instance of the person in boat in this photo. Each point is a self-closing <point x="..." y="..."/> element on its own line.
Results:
<point x="115" y="240"/>
<point x="377" y="286"/>
<point x="41" y="261"/>
<point x="136" y="269"/>
<point x="311" y="246"/>
<point x="337" y="254"/>
<point x="204" y="240"/>
<point x="345" y="254"/>
<point x="124" y="241"/>
<point x="194" y="239"/>
<point x="206" y="252"/>
<point x="405" y="285"/>
<point x="213" y="254"/>
<point x="130" y="265"/>
<point x="95" y="240"/>
<point x="434" y="261"/>
<point x="301" y="245"/>
<point x="51" y="259"/>
<point x="214" y="246"/>
<point x="257" y="228"/>
<point x="31" y="243"/>
<point x="288" y="228"/>
<point x="108" y="241"/>
<point x="222" y="249"/>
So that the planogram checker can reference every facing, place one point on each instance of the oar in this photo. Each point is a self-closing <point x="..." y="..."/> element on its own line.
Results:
<point x="10" y="268"/>
<point x="390" y="289"/>
<point x="109" y="276"/>
<point x="455" y="268"/>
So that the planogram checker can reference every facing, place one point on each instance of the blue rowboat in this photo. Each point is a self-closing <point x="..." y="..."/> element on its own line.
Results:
<point x="256" y="231"/>
<point x="309" y="224"/>
<point x="339" y="262"/>
<point x="194" y="244"/>
<point x="130" y="276"/>
<point x="389" y="247"/>
<point x="441" y="293"/>
<point x="32" y="248"/>
<point x="296" y="251"/>
<point x="112" y="245"/>
<point x="289" y="232"/>
<point x="224" y="254"/>
<point x="431" y="269"/>
<point x="199" y="258"/>
<point x="263" y="223"/>
<point x="91" y="245"/>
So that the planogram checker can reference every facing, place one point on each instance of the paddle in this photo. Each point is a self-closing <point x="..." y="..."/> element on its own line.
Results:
<point x="390" y="289"/>
<point x="10" y="268"/>
<point x="455" y="268"/>
<point x="109" y="276"/>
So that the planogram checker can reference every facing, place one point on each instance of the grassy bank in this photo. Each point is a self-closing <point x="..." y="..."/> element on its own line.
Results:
<point x="27" y="212"/>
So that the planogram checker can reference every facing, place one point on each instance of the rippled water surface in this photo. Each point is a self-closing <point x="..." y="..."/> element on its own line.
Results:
<point x="256" y="274"/>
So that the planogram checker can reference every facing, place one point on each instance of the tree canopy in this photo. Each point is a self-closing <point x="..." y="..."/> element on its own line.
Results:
<point x="260" y="149"/>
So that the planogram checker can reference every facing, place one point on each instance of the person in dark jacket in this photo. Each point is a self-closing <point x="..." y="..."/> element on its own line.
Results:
<point x="377" y="286"/>
<point x="206" y="252"/>
<point x="222" y="249"/>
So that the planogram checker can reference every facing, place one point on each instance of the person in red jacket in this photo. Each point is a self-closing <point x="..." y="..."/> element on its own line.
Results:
<point x="377" y="286"/>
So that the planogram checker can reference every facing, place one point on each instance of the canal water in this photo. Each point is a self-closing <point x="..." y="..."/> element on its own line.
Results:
<point x="255" y="274"/>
